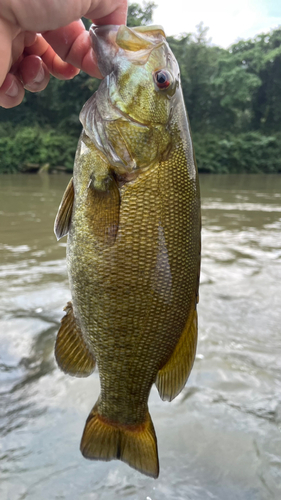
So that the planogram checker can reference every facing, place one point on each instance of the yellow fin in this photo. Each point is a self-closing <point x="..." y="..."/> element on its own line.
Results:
<point x="172" y="378"/>
<point x="63" y="218"/>
<point x="72" y="354"/>
<point x="102" y="208"/>
<point x="135" y="445"/>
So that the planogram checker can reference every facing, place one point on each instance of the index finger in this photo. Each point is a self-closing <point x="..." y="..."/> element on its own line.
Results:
<point x="57" y="67"/>
<point x="73" y="45"/>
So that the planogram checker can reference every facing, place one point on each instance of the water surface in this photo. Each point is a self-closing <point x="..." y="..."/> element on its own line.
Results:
<point x="221" y="438"/>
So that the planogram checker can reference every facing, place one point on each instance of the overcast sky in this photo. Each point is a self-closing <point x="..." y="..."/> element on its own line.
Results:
<point x="228" y="20"/>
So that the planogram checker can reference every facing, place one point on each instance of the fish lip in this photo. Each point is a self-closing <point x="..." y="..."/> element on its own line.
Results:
<point x="103" y="40"/>
<point x="103" y="31"/>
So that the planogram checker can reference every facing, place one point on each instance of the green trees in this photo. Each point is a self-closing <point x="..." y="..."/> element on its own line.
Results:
<point x="233" y="100"/>
<point x="232" y="97"/>
<point x="138" y="16"/>
<point x="36" y="146"/>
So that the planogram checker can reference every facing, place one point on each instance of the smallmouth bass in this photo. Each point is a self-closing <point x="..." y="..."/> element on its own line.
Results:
<point x="132" y="215"/>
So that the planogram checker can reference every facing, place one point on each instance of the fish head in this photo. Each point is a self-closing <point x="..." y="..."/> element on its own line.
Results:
<point x="141" y="72"/>
<point x="128" y="118"/>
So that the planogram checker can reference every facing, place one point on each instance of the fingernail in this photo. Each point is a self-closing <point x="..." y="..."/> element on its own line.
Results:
<point x="13" y="90"/>
<point x="40" y="75"/>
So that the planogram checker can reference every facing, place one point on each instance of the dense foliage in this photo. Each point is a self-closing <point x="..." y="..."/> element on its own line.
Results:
<point x="232" y="97"/>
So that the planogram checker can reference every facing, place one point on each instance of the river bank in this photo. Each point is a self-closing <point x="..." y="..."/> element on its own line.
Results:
<point x="28" y="149"/>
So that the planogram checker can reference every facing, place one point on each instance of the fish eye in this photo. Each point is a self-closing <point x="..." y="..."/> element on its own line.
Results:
<point x="162" y="79"/>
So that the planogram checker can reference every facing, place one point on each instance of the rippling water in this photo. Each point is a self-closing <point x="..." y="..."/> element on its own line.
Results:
<point x="220" y="439"/>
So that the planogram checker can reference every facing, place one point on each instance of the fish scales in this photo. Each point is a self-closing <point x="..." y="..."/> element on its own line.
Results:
<point x="133" y="249"/>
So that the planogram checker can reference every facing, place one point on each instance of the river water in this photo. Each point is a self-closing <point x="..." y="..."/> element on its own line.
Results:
<point x="221" y="438"/>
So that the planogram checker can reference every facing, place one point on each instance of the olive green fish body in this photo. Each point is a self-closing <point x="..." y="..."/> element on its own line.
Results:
<point x="133" y="251"/>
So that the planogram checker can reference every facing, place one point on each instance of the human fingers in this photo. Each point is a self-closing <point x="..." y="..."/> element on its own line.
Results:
<point x="108" y="12"/>
<point x="76" y="49"/>
<point x="12" y="43"/>
<point x="7" y="34"/>
<point x="28" y="73"/>
<point x="56" y="66"/>
<point x="11" y="91"/>
<point x="72" y="42"/>
<point x="73" y="45"/>
<point x="49" y="15"/>
<point x="33" y="73"/>
<point x="11" y="88"/>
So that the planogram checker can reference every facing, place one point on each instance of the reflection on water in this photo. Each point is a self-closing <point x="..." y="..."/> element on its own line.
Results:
<point x="220" y="439"/>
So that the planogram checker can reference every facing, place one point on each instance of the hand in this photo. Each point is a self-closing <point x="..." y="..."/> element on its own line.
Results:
<point x="39" y="38"/>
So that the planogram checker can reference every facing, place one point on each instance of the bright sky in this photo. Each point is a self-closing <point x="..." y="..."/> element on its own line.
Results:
<point x="228" y="20"/>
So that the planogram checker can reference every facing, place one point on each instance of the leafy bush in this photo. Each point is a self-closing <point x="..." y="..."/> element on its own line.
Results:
<point x="250" y="152"/>
<point x="35" y="146"/>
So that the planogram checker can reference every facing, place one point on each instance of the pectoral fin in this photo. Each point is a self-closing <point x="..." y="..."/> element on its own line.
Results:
<point x="172" y="377"/>
<point x="102" y="208"/>
<point x="63" y="218"/>
<point x="72" y="354"/>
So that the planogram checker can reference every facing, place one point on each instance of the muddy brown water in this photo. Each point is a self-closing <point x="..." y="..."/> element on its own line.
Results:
<point x="221" y="438"/>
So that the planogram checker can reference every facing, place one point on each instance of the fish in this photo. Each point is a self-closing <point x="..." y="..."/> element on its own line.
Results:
<point x="132" y="215"/>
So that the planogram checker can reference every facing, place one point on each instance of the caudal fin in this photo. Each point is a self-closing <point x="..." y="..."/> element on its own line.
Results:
<point x="135" y="445"/>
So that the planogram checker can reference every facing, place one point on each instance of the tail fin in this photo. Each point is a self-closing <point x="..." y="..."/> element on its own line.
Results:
<point x="135" y="445"/>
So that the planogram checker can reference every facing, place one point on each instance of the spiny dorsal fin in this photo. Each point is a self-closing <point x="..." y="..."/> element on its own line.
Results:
<point x="102" y="208"/>
<point x="135" y="445"/>
<point x="72" y="354"/>
<point x="63" y="218"/>
<point x="172" y="378"/>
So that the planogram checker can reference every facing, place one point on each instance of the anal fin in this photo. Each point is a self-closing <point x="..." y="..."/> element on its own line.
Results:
<point x="63" y="218"/>
<point x="71" y="352"/>
<point x="172" y="378"/>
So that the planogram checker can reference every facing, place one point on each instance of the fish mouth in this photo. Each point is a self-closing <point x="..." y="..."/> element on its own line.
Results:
<point x="103" y="39"/>
<point x="137" y="42"/>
